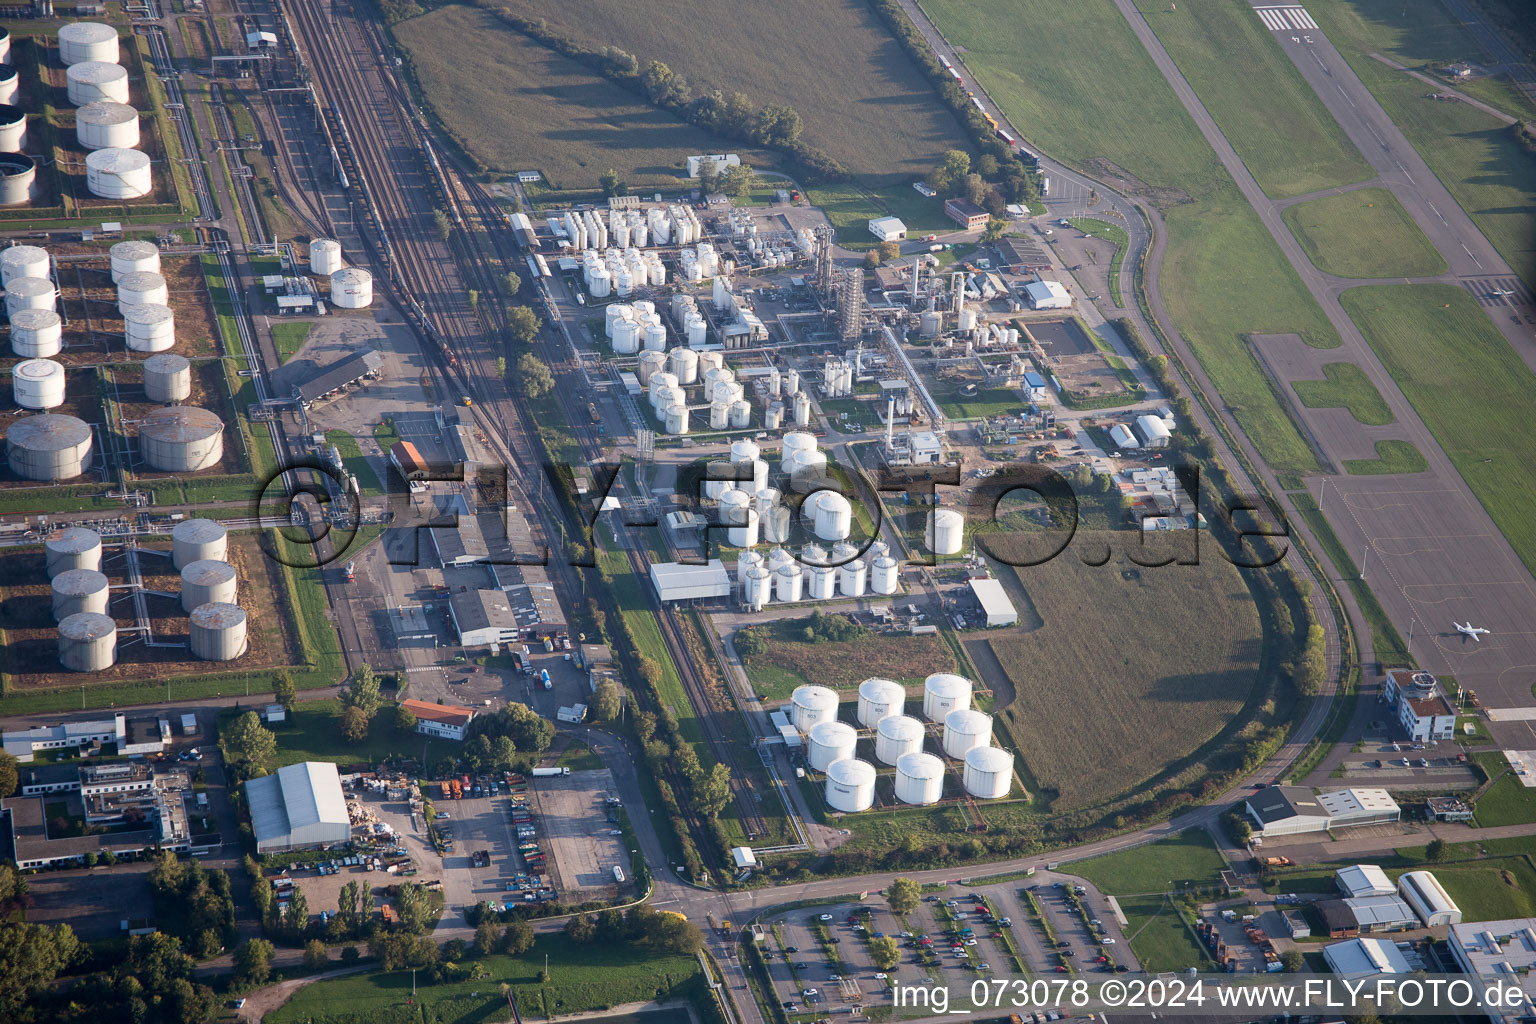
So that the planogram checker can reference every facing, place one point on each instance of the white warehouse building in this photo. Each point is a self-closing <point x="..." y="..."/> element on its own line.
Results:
<point x="887" y="229"/>
<point x="1422" y="891"/>
<point x="1047" y="295"/>
<point x="680" y="581"/>
<point x="299" y="808"/>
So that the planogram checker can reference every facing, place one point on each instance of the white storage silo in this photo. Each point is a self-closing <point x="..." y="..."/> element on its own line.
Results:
<point x="748" y="561"/>
<point x="218" y="631"/>
<point x="73" y="547"/>
<point x="759" y="583"/>
<point x="94" y="80"/>
<point x="719" y="415"/>
<point x="945" y="532"/>
<point x="879" y="698"/>
<point x="197" y="540"/>
<point x="820" y="582"/>
<point x="676" y="419"/>
<point x="744" y="451"/>
<point x="919" y="779"/>
<point x="79" y="590"/>
<point x="600" y="283"/>
<point x="988" y="772"/>
<point x="788" y="582"/>
<point x="80" y="41"/>
<point x="107" y="125"/>
<point x="759" y="476"/>
<point x="773" y="416"/>
<point x="325" y="257"/>
<point x="897" y="736"/>
<point x="18" y="174"/>
<point x="167" y="378"/>
<point x="207" y="581"/>
<point x="778" y="557"/>
<point x="741" y="414"/>
<point x="740" y="518"/>
<point x="718" y="478"/>
<point x="5" y="44"/>
<point x="794" y="443"/>
<point x="615" y="312"/>
<point x="48" y="447"/>
<point x="811" y="705"/>
<point x="656" y="338"/>
<point x="650" y="364"/>
<point x="134" y="257"/>
<point x="181" y="439"/>
<point x="776" y="523"/>
<point x="832" y="515"/>
<point x="626" y="336"/>
<point x="808" y="471"/>
<point x="765" y="498"/>
<point x="351" y="288"/>
<point x="850" y="785"/>
<point x="142" y="288"/>
<point x="683" y="363"/>
<point x="792" y="383"/>
<point x="853" y="578"/>
<point x="118" y="173"/>
<point x="884" y="575"/>
<point x="23" y="261"/>
<point x="802" y="409"/>
<point x="87" y="642"/>
<point x="10" y="84"/>
<point x="828" y="742"/>
<point x="944" y="692"/>
<point x="38" y="384"/>
<point x="660" y="383"/>
<point x="13" y="128"/>
<point x="29" y="293"/>
<point x="965" y="729"/>
<point x="149" y="327"/>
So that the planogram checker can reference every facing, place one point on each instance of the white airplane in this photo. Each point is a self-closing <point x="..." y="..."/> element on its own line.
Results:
<point x="1470" y="630"/>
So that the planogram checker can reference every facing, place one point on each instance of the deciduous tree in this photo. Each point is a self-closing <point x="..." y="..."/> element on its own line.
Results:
<point x="248" y="746"/>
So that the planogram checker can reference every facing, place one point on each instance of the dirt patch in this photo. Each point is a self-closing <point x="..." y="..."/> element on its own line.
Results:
<point x="1126" y="183"/>
<point x="1067" y="351"/>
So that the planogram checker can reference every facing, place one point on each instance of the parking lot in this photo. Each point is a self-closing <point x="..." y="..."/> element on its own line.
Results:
<point x="571" y="814"/>
<point x="93" y="903"/>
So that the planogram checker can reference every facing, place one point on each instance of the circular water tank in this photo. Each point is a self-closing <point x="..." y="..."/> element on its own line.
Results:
<point x="18" y="173"/>
<point x="87" y="642"/>
<point x="134" y="257"/>
<point x="600" y="283"/>
<point x="218" y="631"/>
<point x="808" y="471"/>
<point x="80" y="41"/>
<point x="13" y="128"/>
<point x="207" y="581"/>
<point x="828" y="742"/>
<point x="853" y="578"/>
<point x="741" y="415"/>
<point x="919" y="779"/>
<point x="23" y="261"/>
<point x="29" y="293"/>
<point x="850" y="785"/>
<point x="683" y="363"/>
<point x="38" y="384"/>
<point x="788" y="582"/>
<point x="94" y="80"/>
<point x="967" y="320"/>
<point x="167" y="378"/>
<point x="626" y="337"/>
<point x="665" y="398"/>
<point x="832" y="515"/>
<point x="48" y="447"/>
<point x="758" y="585"/>
<point x="181" y="439"/>
<point x="820" y="583"/>
<point x="676" y="419"/>
<point x="695" y="329"/>
<point x="351" y="288"/>
<point x="79" y="590"/>
<point x="878" y="699"/>
<point x="896" y="736"/>
<point x="811" y="705"/>
<point x="966" y="729"/>
<point x="118" y="174"/>
<point x="107" y="125"/>
<point x="765" y="498"/>
<point x="943" y="693"/>
<point x="748" y="561"/>
<point x="945" y="533"/>
<point x="776" y="524"/>
<point x="149" y="327"/>
<point x="197" y="540"/>
<point x="73" y="547"/>
<point x="988" y="772"/>
<point x="778" y="557"/>
<point x="651" y="363"/>
<point x="325" y="257"/>
<point x="36" y="333"/>
<point x="884" y="575"/>
<point x="142" y="288"/>
<point x="794" y="443"/>
<point x="740" y="518"/>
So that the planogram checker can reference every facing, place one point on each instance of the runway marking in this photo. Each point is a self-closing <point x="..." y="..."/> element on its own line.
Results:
<point x="1447" y="223"/>
<point x="1285" y="19"/>
<point x="1511" y="714"/>
<point x="1474" y="258"/>
<point x="1489" y="291"/>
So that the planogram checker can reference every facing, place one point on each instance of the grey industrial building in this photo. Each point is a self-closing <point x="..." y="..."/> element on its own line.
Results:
<point x="299" y="808"/>
<point x="483" y="617"/>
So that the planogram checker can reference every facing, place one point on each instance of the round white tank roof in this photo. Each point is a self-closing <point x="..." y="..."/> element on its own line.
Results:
<point x="180" y="423"/>
<point x="133" y="249"/>
<point x="813" y="696"/>
<point x="947" y="684"/>
<point x="851" y="771"/>
<point x="207" y="573"/>
<point x="989" y="759"/>
<point x="73" y="540"/>
<point x="85" y="32"/>
<point x="199" y="531"/>
<point x="969" y="721"/>
<point x="106" y="112"/>
<point x="920" y="765"/>
<point x="87" y="626"/>
<point x="882" y="691"/>
<point x="217" y="615"/>
<point x="833" y="733"/>
<point x="117" y="160"/>
<point x="147" y="314"/>
<point x="900" y="727"/>
<point x="48" y="432"/>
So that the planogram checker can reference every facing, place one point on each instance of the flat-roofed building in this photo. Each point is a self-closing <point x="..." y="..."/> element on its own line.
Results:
<point x="1500" y="951"/>
<point x="483" y="617"/>
<point x="1363" y="880"/>
<point x="1364" y="957"/>
<point x="680" y="581"/>
<point x="1381" y="913"/>
<point x="995" y="603"/>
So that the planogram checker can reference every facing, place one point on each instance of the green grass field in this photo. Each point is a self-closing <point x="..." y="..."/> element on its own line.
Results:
<point x="789" y="662"/>
<point x="851" y="207"/>
<point x="1272" y="117"/>
<point x="1392" y="457"/>
<point x="1473" y="392"/>
<point x="1345" y="386"/>
<point x="1189" y="857"/>
<point x="1485" y="890"/>
<point x="1507" y="801"/>
<point x="289" y="338"/>
<point x="355" y="462"/>
<point x="1364" y="233"/>
<point x="1159" y="938"/>
<point x="313" y="727"/>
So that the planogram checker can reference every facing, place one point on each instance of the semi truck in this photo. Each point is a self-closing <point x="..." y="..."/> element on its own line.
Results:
<point x="544" y="679"/>
<point x="544" y="773"/>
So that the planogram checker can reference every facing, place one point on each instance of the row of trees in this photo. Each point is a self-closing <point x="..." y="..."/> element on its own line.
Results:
<point x="639" y="925"/>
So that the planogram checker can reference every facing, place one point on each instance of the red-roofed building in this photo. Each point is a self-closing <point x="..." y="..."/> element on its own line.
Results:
<point x="407" y="460"/>
<point x="445" y="721"/>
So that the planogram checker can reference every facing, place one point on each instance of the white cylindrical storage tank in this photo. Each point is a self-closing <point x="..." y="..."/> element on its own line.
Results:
<point x="601" y="283"/>
<point x="167" y="378"/>
<point x="808" y="471"/>
<point x="776" y="523"/>
<point x="352" y="288"/>
<point x="853" y="578"/>
<point x="48" y="447"/>
<point x="719" y="415"/>
<point x="207" y="581"/>
<point x="802" y="409"/>
<point x="896" y="736"/>
<point x="88" y="642"/>
<point x="79" y="590"/>
<point x="773" y="416"/>
<point x="23" y="261"/>
<point x="659" y="383"/>
<point x="197" y="540"/>
<point x="626" y="337"/>
<point x="80" y="41"/>
<point x="828" y="742"/>
<point x="695" y="329"/>
<point x="718" y="478"/>
<point x="623" y="284"/>
<point x="792" y="383"/>
<point x="94" y="80"/>
<point x="741" y="414"/>
<point x="107" y="125"/>
<point x="710" y="361"/>
<point x="944" y="692"/>
<point x="820" y="583"/>
<point x="759" y="476"/>
<point x="118" y="174"/>
<point x="13" y="128"/>
<point x="142" y="288"/>
<point x="988" y="772"/>
<point x="149" y="327"/>
<point x="811" y="705"/>
<point x="656" y="338"/>
<point x="615" y="312"/>
<point x="967" y="320"/>
<point x="325" y="257"/>
<point x="744" y="451"/>
<point x="850" y="785"/>
<point x="683" y="363"/>
<point x="945" y="533"/>
<point x="794" y="443"/>
<point x="884" y="576"/>
<point x="18" y="174"/>
<point x="134" y="257"/>
<point x="879" y="698"/>
<point x="38" y="384"/>
<point x="965" y="729"/>
<point x="676" y="418"/>
<point x="73" y="547"/>
<point x="181" y="439"/>
<point x="832" y="516"/>
<point x="764" y="498"/>
<point x="218" y="631"/>
<point x="759" y="586"/>
<point x="748" y="561"/>
<point x="788" y="582"/>
<point x="5" y="44"/>
<point x="737" y="513"/>
<point x="919" y="778"/>
<point x="651" y="363"/>
<point x="29" y="293"/>
<point x="778" y="557"/>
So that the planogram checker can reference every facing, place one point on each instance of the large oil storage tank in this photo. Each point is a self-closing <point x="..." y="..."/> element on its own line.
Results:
<point x="988" y="772"/>
<point x="325" y="257"/>
<point x="23" y="261"/>
<point x="13" y="128"/>
<point x="897" y="736"/>
<point x="197" y="540"/>
<point x="5" y="44"/>
<point x="181" y="438"/>
<point x="850" y="785"/>
<point x="18" y="173"/>
<point x="142" y="288"/>
<point x="789" y="582"/>
<point x="10" y="83"/>
<point x="29" y="293"/>
<point x="776" y="523"/>
<point x="79" y="590"/>
<point x="794" y="442"/>
<point x="683" y="363"/>
<point x="207" y="581"/>
<point x="832" y="516"/>
<point x="107" y="125"/>
<point x="828" y="742"/>
<point x="965" y="729"/>
<point x="945" y="533"/>
<point x="73" y="547"/>
<point x="80" y="41"/>
<point x="48" y="447"/>
<point x="351" y="288"/>
<point x="88" y="642"/>
<point x="811" y="705"/>
<point x="36" y="333"/>
<point x="879" y="698"/>
<point x="919" y="779"/>
<point x="744" y="451"/>
<point x="675" y="420"/>
<point x="943" y="693"/>
<point x="218" y="631"/>
<point x="853" y="578"/>
<point x="808" y="471"/>
<point x="94" y="80"/>
<point x="748" y="561"/>
<point x="718" y="478"/>
<point x="884" y="575"/>
<point x="651" y="363"/>
<point x="167" y="378"/>
<point x="134" y="257"/>
<point x="820" y="582"/>
<point x="38" y="384"/>
<point x="149" y="327"/>
<point x="118" y="173"/>
<point x="759" y="584"/>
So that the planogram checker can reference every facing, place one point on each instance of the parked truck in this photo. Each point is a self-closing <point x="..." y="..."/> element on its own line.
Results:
<point x="544" y="679"/>
<point x="544" y="773"/>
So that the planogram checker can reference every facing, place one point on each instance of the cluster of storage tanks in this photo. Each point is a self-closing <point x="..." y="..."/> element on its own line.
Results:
<point x="818" y="574"/>
<point x="850" y="781"/>
<point x="671" y="225"/>
<point x="630" y="327"/>
<point x="351" y="287"/>
<point x="620" y="271"/>
<point x="105" y="124"/>
<point x="18" y="172"/>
